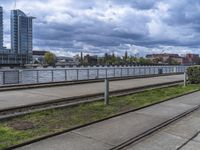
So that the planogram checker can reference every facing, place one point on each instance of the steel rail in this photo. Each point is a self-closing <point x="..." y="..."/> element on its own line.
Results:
<point x="73" y="101"/>
<point x="145" y="134"/>
<point x="128" y="142"/>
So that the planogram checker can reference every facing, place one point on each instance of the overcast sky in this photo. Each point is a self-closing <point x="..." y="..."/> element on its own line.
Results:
<point x="98" y="26"/>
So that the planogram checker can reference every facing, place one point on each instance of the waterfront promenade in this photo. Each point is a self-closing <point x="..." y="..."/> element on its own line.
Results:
<point x="18" y="98"/>
<point x="115" y="131"/>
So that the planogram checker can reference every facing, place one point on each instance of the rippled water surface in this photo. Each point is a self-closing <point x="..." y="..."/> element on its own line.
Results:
<point x="28" y="76"/>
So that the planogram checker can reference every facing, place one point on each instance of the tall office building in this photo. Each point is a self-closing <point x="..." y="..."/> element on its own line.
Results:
<point x="21" y="33"/>
<point x="1" y="28"/>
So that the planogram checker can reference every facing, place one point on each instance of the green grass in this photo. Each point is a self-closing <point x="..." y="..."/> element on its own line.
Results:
<point x="51" y="121"/>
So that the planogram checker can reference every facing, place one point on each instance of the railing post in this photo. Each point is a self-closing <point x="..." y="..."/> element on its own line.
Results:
<point x="149" y="70"/>
<point x="139" y="71"/>
<point x="97" y="73"/>
<point x="4" y="79"/>
<point x="132" y="74"/>
<point x="174" y="69"/>
<point x="185" y="79"/>
<point x="65" y="74"/>
<point x="185" y="68"/>
<point x="106" y="73"/>
<point x="20" y="76"/>
<point x="18" y="73"/>
<point x="37" y="76"/>
<point x="128" y="71"/>
<point x="114" y="73"/>
<point x="77" y="74"/>
<point x="121" y="72"/>
<point x="106" y="92"/>
<point x="88" y="74"/>
<point x="52" y="77"/>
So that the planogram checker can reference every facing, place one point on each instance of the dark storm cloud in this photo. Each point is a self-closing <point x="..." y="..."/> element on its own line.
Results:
<point x="112" y="25"/>
<point x="184" y="12"/>
<point x="139" y="4"/>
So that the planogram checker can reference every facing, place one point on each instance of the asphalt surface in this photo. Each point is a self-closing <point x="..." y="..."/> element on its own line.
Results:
<point x="112" y="132"/>
<point x="18" y="98"/>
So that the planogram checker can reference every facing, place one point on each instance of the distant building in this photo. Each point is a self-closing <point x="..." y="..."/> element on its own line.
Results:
<point x="67" y="61"/>
<point x="77" y="58"/>
<point x="178" y="60"/>
<point x="1" y="28"/>
<point x="81" y="60"/>
<point x="192" y="59"/>
<point x="38" y="56"/>
<point x="21" y="32"/>
<point x="90" y="60"/>
<point x="40" y="53"/>
<point x="189" y="59"/>
<point x="21" y="39"/>
<point x="165" y="58"/>
<point x="7" y="58"/>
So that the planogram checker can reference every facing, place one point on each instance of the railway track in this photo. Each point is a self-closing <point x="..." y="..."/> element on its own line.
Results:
<point x="67" y="102"/>
<point x="134" y="140"/>
<point x="189" y="140"/>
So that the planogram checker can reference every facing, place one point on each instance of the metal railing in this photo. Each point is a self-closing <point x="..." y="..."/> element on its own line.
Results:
<point x="34" y="76"/>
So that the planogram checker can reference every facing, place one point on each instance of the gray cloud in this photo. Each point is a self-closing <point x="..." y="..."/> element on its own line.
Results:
<point x="99" y="26"/>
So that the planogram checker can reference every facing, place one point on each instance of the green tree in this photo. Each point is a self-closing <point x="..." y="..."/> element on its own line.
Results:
<point x="144" y="61"/>
<point x="50" y="58"/>
<point x="126" y="56"/>
<point x="172" y="61"/>
<point x="113" y="59"/>
<point x="36" y="62"/>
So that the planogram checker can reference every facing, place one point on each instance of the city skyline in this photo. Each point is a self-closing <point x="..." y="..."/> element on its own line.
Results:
<point x="21" y="32"/>
<point x="21" y="39"/>
<point x="68" y="27"/>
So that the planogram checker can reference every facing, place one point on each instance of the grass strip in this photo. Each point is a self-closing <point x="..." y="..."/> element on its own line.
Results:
<point x="28" y="127"/>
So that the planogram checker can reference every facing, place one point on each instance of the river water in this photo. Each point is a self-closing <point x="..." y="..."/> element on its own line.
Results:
<point x="31" y="76"/>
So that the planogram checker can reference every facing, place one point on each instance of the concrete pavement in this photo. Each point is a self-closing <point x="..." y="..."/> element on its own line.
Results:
<point x="112" y="132"/>
<point x="25" y="97"/>
<point x="175" y="136"/>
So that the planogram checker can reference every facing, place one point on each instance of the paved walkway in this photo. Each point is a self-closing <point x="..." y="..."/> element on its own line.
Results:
<point x="112" y="132"/>
<point x="174" y="136"/>
<point x="31" y="96"/>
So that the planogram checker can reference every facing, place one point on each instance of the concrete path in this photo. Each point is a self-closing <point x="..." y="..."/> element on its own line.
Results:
<point x="174" y="136"/>
<point x="112" y="132"/>
<point x="30" y="96"/>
